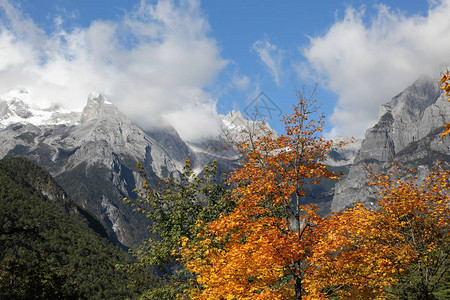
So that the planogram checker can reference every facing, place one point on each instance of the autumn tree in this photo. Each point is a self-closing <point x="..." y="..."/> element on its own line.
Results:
<point x="174" y="205"/>
<point x="262" y="249"/>
<point x="420" y="216"/>
<point x="400" y="250"/>
<point x="397" y="251"/>
<point x="273" y="246"/>
<point x="445" y="82"/>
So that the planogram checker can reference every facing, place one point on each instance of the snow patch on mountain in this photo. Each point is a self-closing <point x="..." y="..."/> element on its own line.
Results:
<point x="15" y="107"/>
<point x="237" y="126"/>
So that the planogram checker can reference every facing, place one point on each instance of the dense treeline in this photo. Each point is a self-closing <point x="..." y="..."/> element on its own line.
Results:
<point x="50" y="248"/>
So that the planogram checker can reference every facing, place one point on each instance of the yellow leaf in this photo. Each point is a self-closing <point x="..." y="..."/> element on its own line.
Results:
<point x="447" y="130"/>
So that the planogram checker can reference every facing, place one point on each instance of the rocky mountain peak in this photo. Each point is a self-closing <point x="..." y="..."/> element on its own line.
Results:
<point x="97" y="98"/>
<point x="93" y="107"/>
<point x="408" y="117"/>
<point x="20" y="108"/>
<point x="13" y="104"/>
<point x="414" y="100"/>
<point x="238" y="126"/>
<point x="16" y="107"/>
<point x="407" y="132"/>
<point x="93" y="155"/>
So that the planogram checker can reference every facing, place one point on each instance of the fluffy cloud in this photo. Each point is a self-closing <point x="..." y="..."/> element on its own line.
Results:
<point x="152" y="63"/>
<point x="193" y="117"/>
<point x="271" y="56"/>
<point x="367" y="62"/>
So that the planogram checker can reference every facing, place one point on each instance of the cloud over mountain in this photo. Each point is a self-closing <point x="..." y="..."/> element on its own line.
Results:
<point x="367" y="60"/>
<point x="152" y="62"/>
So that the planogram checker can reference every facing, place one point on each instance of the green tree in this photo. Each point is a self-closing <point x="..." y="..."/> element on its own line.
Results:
<point x="174" y="206"/>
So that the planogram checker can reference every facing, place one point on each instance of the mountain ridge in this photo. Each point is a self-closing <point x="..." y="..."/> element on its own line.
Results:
<point x="407" y="133"/>
<point x="100" y="147"/>
<point x="94" y="154"/>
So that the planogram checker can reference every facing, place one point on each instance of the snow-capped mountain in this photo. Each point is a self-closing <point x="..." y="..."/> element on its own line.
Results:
<point x="237" y="126"/>
<point x="15" y="108"/>
<point x="93" y="154"/>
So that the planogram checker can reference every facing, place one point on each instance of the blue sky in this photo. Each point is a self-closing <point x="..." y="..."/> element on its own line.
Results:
<point x="181" y="62"/>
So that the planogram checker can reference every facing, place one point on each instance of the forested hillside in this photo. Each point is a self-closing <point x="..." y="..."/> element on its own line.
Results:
<point x="50" y="248"/>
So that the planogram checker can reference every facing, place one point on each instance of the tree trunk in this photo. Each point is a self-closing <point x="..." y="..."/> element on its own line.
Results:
<point x="298" y="287"/>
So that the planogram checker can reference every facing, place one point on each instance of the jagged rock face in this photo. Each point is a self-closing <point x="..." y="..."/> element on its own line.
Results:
<point x="345" y="155"/>
<point x="93" y="155"/>
<point x="408" y="133"/>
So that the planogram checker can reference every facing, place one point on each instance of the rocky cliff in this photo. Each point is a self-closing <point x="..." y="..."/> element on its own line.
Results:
<point x="407" y="132"/>
<point x="93" y="155"/>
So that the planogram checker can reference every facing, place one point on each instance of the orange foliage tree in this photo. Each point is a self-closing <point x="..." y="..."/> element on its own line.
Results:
<point x="273" y="246"/>
<point x="420" y="214"/>
<point x="261" y="249"/>
<point x="400" y="250"/>
<point x="445" y="82"/>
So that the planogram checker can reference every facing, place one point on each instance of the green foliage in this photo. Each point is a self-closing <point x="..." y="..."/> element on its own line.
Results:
<point x="47" y="247"/>
<point x="429" y="279"/>
<point x="174" y="206"/>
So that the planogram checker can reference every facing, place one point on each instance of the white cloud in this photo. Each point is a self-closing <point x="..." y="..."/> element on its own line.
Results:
<point x="154" y="62"/>
<point x="195" y="117"/>
<point x="240" y="82"/>
<point x="271" y="56"/>
<point x="368" y="62"/>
